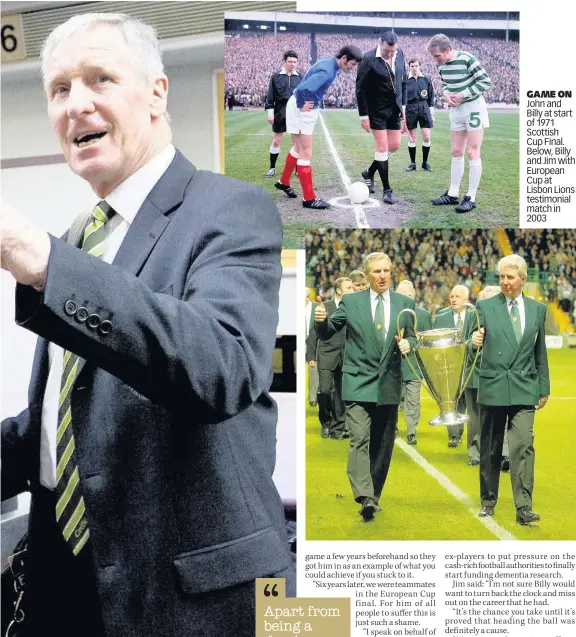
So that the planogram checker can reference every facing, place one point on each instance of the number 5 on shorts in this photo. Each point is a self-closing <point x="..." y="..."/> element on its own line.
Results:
<point x="475" y="120"/>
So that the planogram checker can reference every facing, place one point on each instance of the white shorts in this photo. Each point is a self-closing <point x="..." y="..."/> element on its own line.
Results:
<point x="298" y="121"/>
<point x="470" y="116"/>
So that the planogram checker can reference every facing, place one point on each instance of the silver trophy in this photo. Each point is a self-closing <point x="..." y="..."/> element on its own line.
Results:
<point x="441" y="356"/>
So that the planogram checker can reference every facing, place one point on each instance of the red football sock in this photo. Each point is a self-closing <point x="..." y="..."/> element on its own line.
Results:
<point x="289" y="167"/>
<point x="305" y="177"/>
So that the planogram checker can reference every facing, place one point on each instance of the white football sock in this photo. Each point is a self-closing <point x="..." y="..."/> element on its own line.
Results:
<point x="456" y="174"/>
<point x="474" y="177"/>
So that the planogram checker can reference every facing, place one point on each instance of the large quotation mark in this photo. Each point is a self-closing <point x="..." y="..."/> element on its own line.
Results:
<point x="273" y="592"/>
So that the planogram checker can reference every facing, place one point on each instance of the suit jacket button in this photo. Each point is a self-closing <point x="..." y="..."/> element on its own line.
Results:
<point x="93" y="321"/>
<point x="81" y="315"/>
<point x="105" y="328"/>
<point x="70" y="308"/>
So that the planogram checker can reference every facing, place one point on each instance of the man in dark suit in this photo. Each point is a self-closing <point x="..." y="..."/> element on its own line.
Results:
<point x="372" y="379"/>
<point x="381" y="95"/>
<point x="514" y="382"/>
<point x="311" y="342"/>
<point x="149" y="441"/>
<point x="330" y="355"/>
<point x="411" y="383"/>
<point x="457" y="315"/>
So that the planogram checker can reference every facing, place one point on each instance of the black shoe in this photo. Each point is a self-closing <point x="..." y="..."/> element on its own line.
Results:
<point x="346" y="434"/>
<point x="411" y="440"/>
<point x="389" y="197"/>
<point x="466" y="205"/>
<point x="369" y="181"/>
<point x="317" y="203"/>
<point x="525" y="515"/>
<point x="368" y="509"/>
<point x="271" y="172"/>
<point x="286" y="189"/>
<point x="339" y="436"/>
<point x="459" y="438"/>
<point x="445" y="200"/>
<point x="312" y="403"/>
<point x="453" y="442"/>
<point x="411" y="167"/>
<point x="325" y="432"/>
<point x="505" y="464"/>
<point x="486" y="512"/>
<point x="473" y="463"/>
<point x="426" y="166"/>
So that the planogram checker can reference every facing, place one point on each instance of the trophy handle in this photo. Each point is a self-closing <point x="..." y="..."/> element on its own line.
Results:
<point x="473" y="308"/>
<point x="407" y="357"/>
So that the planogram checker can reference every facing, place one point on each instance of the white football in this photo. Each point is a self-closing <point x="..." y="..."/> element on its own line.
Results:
<point x="358" y="192"/>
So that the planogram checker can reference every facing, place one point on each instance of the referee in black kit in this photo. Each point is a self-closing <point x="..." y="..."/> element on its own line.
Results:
<point x="381" y="96"/>
<point x="420" y="110"/>
<point x="280" y="89"/>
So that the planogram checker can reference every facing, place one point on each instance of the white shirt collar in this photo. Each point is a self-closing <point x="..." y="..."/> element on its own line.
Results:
<point x="519" y="299"/>
<point x="128" y="197"/>
<point x="379" y="55"/>
<point x="283" y="71"/>
<point x="374" y="295"/>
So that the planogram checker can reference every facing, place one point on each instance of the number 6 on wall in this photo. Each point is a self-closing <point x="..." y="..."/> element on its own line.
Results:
<point x="12" y="37"/>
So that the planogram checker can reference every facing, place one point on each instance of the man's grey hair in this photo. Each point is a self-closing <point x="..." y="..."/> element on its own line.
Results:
<point x="374" y="256"/>
<point x="407" y="285"/>
<point x="307" y="292"/>
<point x="356" y="276"/>
<point x="515" y="260"/>
<point x="440" y="41"/>
<point x="489" y="291"/>
<point x="140" y="37"/>
<point x="463" y="289"/>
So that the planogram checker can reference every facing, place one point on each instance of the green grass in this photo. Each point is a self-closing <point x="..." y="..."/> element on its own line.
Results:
<point x="248" y="139"/>
<point x="416" y="507"/>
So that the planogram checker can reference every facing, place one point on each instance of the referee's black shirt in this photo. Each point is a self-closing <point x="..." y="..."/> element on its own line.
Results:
<point x="280" y="90"/>
<point x="420" y="89"/>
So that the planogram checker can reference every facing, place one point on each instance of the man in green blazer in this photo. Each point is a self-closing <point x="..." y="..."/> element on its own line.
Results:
<point x="457" y="315"/>
<point x="372" y="375"/>
<point x="514" y="382"/>
<point x="411" y="388"/>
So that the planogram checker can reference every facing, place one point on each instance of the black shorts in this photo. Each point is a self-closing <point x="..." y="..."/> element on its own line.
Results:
<point x="418" y="113"/>
<point x="279" y="125"/>
<point x="387" y="118"/>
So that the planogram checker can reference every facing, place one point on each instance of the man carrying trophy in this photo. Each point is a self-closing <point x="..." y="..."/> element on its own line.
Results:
<point x="372" y="375"/>
<point x="513" y="383"/>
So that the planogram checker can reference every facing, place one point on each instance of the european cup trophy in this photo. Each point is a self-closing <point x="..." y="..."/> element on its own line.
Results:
<point x="441" y="356"/>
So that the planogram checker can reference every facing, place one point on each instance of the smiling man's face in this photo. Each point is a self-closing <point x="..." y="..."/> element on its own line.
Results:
<point x="101" y="108"/>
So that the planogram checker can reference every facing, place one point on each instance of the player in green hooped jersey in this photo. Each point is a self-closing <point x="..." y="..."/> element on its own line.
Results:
<point x="464" y="81"/>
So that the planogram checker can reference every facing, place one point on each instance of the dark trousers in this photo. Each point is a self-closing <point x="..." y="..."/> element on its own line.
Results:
<point x="331" y="409"/>
<point x="61" y="599"/>
<point x="372" y="431"/>
<point x="456" y="431"/>
<point x="473" y="426"/>
<point x="520" y="421"/>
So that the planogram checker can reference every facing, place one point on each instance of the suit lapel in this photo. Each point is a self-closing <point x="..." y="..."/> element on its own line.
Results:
<point x="530" y="316"/>
<point x="151" y="220"/>
<point x="503" y="316"/>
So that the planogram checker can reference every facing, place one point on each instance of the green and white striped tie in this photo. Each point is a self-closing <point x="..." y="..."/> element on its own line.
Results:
<point x="70" y="509"/>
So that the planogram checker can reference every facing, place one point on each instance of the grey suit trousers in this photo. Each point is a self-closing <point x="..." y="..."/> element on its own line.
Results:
<point x="412" y="407"/>
<point x="312" y="384"/>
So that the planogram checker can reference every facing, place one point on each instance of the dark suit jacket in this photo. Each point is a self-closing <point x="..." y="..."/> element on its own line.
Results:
<point x="512" y="373"/>
<point x="371" y="72"/>
<point x="424" y="323"/>
<point x="175" y="430"/>
<point x="312" y="338"/>
<point x="331" y="351"/>
<point x="371" y="372"/>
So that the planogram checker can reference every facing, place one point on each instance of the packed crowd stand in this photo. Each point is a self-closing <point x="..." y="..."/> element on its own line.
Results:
<point x="250" y="59"/>
<point x="435" y="260"/>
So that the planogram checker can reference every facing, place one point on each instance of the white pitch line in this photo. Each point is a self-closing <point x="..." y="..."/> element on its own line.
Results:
<point x="499" y="531"/>
<point x="359" y="213"/>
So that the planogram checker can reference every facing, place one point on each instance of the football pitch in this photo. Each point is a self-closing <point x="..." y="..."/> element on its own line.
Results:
<point x="432" y="494"/>
<point x="342" y="150"/>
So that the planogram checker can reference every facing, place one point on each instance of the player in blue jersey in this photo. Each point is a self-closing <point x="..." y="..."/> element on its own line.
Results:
<point x="301" y="116"/>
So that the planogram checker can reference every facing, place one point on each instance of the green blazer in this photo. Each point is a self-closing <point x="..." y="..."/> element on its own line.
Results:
<point x="445" y="318"/>
<point x="372" y="372"/>
<point x="424" y="323"/>
<point x="512" y="373"/>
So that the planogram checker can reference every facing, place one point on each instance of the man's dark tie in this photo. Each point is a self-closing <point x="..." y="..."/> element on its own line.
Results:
<point x="515" y="316"/>
<point x="70" y="509"/>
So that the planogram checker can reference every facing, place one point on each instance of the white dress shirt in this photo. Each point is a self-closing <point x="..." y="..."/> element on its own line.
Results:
<point x="386" y="301"/>
<point x="456" y="315"/>
<point x="521" y="310"/>
<point x="308" y="311"/>
<point x="126" y="200"/>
